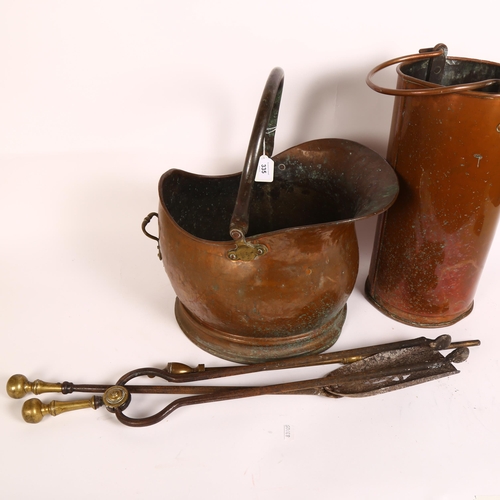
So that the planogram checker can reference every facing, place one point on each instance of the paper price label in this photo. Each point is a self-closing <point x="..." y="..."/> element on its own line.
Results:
<point x="265" y="170"/>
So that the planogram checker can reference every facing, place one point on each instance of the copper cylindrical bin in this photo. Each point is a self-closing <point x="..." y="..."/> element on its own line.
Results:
<point x="432" y="244"/>
<point x="263" y="270"/>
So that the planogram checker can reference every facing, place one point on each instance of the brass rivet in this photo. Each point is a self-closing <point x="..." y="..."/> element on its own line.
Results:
<point x="115" y="396"/>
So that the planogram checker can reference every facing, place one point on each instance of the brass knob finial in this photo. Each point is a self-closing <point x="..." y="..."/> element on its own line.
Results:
<point x="34" y="410"/>
<point x="18" y="386"/>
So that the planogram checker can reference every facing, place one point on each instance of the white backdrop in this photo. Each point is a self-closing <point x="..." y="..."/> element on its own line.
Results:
<point x="97" y="100"/>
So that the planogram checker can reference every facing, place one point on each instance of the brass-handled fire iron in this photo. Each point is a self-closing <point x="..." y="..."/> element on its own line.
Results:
<point x="367" y="371"/>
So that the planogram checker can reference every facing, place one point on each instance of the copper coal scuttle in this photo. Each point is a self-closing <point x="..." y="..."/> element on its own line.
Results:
<point x="263" y="270"/>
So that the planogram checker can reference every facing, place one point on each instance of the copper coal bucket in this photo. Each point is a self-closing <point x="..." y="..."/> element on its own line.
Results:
<point x="431" y="246"/>
<point x="263" y="270"/>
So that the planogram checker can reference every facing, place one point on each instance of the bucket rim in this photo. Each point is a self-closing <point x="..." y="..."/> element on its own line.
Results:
<point x="392" y="188"/>
<point x="440" y="52"/>
<point x="449" y="60"/>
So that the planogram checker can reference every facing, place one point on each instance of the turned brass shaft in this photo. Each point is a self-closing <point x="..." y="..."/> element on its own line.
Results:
<point x="34" y="410"/>
<point x="18" y="386"/>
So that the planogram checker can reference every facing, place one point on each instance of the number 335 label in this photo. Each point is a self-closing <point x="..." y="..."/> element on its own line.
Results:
<point x="265" y="170"/>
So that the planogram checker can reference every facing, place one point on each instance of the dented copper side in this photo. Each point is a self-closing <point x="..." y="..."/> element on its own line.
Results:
<point x="432" y="245"/>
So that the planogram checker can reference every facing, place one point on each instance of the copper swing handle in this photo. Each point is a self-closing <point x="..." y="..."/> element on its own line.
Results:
<point x="439" y="50"/>
<point x="262" y="139"/>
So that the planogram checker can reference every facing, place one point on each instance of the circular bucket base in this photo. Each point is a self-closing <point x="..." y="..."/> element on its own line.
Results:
<point x="417" y="321"/>
<point x="249" y="350"/>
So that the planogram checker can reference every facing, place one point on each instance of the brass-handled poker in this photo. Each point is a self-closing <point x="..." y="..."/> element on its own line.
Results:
<point x="366" y="371"/>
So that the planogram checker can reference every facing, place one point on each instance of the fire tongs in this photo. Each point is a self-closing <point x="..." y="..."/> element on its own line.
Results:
<point x="367" y="371"/>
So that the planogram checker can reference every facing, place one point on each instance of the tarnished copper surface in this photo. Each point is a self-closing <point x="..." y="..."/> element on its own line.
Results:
<point x="432" y="244"/>
<point x="291" y="300"/>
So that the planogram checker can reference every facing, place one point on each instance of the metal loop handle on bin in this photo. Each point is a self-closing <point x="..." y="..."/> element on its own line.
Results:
<point x="435" y="90"/>
<point x="261" y="140"/>
<point x="144" y="225"/>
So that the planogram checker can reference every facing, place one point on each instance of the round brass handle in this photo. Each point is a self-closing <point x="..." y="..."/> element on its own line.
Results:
<point x="34" y="410"/>
<point x="18" y="386"/>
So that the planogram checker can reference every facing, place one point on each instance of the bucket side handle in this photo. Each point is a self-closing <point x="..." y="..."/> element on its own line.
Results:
<point x="144" y="225"/>
<point x="261" y="140"/>
<point x="439" y="50"/>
